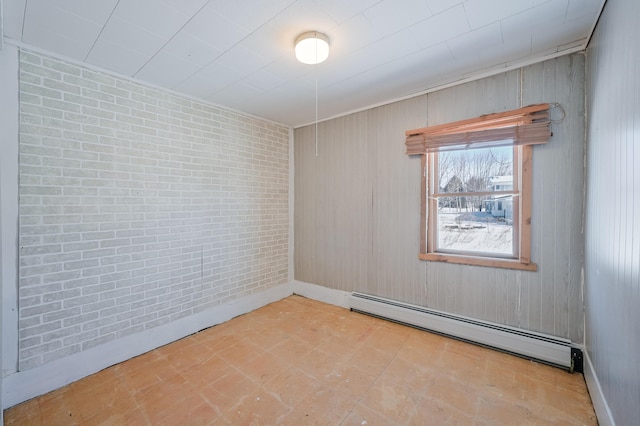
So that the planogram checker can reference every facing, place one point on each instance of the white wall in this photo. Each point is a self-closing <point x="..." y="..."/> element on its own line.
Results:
<point x="8" y="211"/>
<point x="612" y="272"/>
<point x="9" y="204"/>
<point x="1" y="136"/>
<point x="138" y="207"/>
<point x="357" y="205"/>
<point x="143" y="215"/>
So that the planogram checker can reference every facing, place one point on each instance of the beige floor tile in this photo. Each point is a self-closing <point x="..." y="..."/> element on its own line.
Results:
<point x="372" y="359"/>
<point x="362" y="415"/>
<point x="263" y="367"/>
<point x="207" y="372"/>
<point x="25" y="413"/>
<point x="291" y="385"/>
<point x="225" y="392"/>
<point x="464" y="396"/>
<point x="292" y="351"/>
<point x="392" y="400"/>
<point x="323" y="406"/>
<point x="416" y="377"/>
<point x="436" y="412"/>
<point x="493" y="410"/>
<point x="255" y="408"/>
<point x="350" y="380"/>
<point x="302" y="362"/>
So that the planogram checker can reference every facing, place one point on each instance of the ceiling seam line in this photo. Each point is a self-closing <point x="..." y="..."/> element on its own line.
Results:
<point x="101" y="31"/>
<point x="231" y="47"/>
<point x="24" y="19"/>
<point x="172" y="37"/>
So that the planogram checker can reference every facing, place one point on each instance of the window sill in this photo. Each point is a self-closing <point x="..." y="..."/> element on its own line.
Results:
<point x="479" y="261"/>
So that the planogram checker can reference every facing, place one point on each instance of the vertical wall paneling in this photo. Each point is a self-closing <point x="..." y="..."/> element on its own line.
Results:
<point x="394" y="245"/>
<point x="561" y="264"/>
<point x="386" y="182"/>
<point x="612" y="249"/>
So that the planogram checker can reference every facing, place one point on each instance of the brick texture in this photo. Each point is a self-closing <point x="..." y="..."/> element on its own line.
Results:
<point x="138" y="207"/>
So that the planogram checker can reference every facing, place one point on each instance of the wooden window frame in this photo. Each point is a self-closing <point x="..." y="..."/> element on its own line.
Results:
<point x="521" y="217"/>
<point x="482" y="132"/>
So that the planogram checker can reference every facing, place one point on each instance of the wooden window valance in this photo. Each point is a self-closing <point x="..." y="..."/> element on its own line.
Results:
<point x="524" y="126"/>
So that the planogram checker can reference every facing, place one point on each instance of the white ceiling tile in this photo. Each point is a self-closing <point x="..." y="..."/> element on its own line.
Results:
<point x="551" y="10"/>
<point x="46" y="24"/>
<point x="540" y="18"/>
<point x="353" y="35"/>
<point x="242" y="60"/>
<point x="132" y="37"/>
<point x="54" y="42"/>
<point x="214" y="29"/>
<point x="166" y="69"/>
<point x="296" y="99"/>
<point x="474" y="43"/>
<point x="217" y="75"/>
<point x="280" y="44"/>
<point x="438" y="6"/>
<point x="187" y="7"/>
<point x="390" y="16"/>
<point x="234" y="95"/>
<point x="441" y="27"/>
<point x="288" y="68"/>
<point x="157" y="17"/>
<point x="373" y="56"/>
<point x="400" y="44"/>
<point x="427" y="62"/>
<point x="302" y="16"/>
<point x="12" y="18"/>
<point x="192" y="49"/>
<point x="579" y="9"/>
<point x="95" y="11"/>
<point x="484" y="12"/>
<point x="251" y="14"/>
<point x="510" y="50"/>
<point x="115" y="57"/>
<point x="341" y="11"/>
<point x="196" y="85"/>
<point x="410" y="70"/>
<point x="263" y="80"/>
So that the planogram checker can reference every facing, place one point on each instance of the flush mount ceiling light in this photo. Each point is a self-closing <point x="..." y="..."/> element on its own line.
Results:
<point x="312" y="47"/>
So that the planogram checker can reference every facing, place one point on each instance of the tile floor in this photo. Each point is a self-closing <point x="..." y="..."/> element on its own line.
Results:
<point x="302" y="362"/>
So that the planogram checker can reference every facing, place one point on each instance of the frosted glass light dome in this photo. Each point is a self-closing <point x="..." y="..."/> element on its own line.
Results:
<point x="312" y="47"/>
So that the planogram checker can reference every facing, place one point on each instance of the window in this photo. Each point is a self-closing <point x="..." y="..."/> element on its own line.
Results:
<point x="472" y="201"/>
<point x="474" y="204"/>
<point x="476" y="189"/>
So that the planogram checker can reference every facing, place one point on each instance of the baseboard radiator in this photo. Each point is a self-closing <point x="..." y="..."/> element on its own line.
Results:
<point x="541" y="347"/>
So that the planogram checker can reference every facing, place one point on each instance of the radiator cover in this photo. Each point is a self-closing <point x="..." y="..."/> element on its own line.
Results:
<point x="552" y="350"/>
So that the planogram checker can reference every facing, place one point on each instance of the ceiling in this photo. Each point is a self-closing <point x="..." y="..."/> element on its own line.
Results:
<point x="239" y="53"/>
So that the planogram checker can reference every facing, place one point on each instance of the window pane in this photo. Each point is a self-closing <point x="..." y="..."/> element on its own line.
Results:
<point x="462" y="226"/>
<point x="475" y="170"/>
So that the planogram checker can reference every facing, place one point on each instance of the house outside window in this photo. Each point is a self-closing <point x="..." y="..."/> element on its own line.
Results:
<point x="500" y="205"/>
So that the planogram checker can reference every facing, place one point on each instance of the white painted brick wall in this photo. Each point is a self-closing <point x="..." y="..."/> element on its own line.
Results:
<point x="137" y="207"/>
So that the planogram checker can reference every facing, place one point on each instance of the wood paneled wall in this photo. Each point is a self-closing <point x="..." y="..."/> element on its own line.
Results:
<point x="612" y="264"/>
<point x="357" y="205"/>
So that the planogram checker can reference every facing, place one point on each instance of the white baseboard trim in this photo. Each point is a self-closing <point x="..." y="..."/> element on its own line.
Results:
<point x="24" y="385"/>
<point x="322" y="294"/>
<point x="603" y="413"/>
